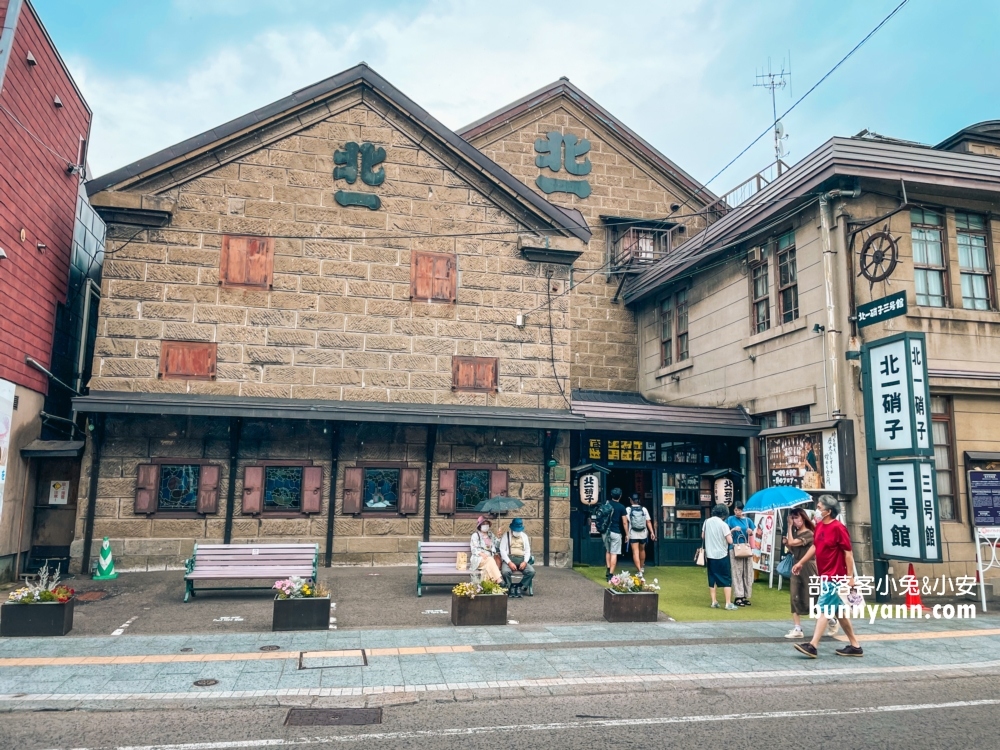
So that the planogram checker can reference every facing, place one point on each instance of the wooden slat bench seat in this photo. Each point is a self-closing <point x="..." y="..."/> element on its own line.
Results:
<point x="226" y="562"/>
<point x="437" y="560"/>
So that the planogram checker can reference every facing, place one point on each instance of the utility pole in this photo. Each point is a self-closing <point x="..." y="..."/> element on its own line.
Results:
<point x="773" y="81"/>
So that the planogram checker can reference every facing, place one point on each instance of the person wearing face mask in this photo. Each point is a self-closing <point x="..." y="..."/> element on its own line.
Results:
<point x="798" y="540"/>
<point x="484" y="547"/>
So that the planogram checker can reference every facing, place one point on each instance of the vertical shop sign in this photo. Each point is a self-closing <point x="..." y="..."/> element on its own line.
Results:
<point x="907" y="517"/>
<point x="897" y="398"/>
<point x="590" y="489"/>
<point x="6" y="427"/>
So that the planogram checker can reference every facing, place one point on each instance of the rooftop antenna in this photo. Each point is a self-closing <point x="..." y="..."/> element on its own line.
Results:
<point x="773" y="81"/>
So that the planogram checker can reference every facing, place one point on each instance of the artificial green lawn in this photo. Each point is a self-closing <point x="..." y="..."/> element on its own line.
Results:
<point x="684" y="595"/>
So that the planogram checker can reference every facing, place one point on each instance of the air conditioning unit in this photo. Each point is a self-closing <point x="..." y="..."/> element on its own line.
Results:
<point x="755" y="255"/>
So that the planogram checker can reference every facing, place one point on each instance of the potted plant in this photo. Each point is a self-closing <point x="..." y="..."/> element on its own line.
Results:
<point x="630" y="599"/>
<point x="301" y="604"/>
<point x="479" y="603"/>
<point x="37" y="609"/>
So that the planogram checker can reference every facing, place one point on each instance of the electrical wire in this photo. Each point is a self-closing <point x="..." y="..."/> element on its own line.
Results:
<point x="34" y="137"/>
<point x="552" y="345"/>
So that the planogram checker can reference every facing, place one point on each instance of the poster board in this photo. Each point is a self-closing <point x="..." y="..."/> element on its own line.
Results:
<point x="6" y="427"/>
<point x="763" y="555"/>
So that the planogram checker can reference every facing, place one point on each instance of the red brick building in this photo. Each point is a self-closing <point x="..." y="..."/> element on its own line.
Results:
<point x="44" y="126"/>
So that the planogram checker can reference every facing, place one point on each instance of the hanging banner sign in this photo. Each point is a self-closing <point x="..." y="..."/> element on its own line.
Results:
<point x="897" y="397"/>
<point x="590" y="489"/>
<point x="724" y="489"/>
<point x="879" y="310"/>
<point x="906" y="511"/>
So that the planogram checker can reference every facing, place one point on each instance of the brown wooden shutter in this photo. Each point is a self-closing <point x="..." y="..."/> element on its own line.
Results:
<point x="421" y="275"/>
<point x="260" y="262"/>
<point x="486" y="374"/>
<point x="444" y="277"/>
<point x="498" y="482"/>
<point x="253" y="490"/>
<point x="312" y="489"/>
<point x="353" y="477"/>
<point x="409" y="490"/>
<point x="447" y="479"/>
<point x="147" y="488"/>
<point x="474" y="374"/>
<point x="188" y="360"/>
<point x="233" y="260"/>
<point x="208" y="489"/>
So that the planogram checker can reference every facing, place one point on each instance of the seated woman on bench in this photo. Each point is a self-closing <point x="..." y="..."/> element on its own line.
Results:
<point x="484" y="547"/>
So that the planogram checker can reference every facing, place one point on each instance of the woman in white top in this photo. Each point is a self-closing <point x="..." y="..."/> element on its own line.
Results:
<point x="718" y="538"/>
<point x="483" y="544"/>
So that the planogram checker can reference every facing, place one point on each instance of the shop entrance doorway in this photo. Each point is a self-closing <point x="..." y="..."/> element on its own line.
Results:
<point x="640" y="482"/>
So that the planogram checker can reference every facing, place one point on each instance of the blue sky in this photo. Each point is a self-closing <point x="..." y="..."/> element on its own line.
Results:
<point x="680" y="73"/>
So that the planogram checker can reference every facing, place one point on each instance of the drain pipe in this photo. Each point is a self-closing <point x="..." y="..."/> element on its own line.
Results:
<point x="829" y="289"/>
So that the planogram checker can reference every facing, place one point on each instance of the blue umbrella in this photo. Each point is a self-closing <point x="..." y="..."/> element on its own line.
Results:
<point x="776" y="498"/>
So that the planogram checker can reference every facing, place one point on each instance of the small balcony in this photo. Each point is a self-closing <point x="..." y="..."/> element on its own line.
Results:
<point x="633" y="248"/>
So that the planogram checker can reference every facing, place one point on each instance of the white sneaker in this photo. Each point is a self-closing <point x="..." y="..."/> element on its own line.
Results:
<point x="832" y="628"/>
<point x="794" y="633"/>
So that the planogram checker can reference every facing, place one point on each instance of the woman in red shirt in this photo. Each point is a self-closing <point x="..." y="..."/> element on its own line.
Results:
<point x="834" y="563"/>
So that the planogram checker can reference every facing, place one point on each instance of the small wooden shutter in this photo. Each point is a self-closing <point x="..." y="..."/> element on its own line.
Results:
<point x="353" y="477"/>
<point x="312" y="489"/>
<point x="421" y="275"/>
<point x="409" y="490"/>
<point x="246" y="261"/>
<point x="474" y="374"/>
<point x="486" y="374"/>
<point x="208" y="489"/>
<point x="433" y="276"/>
<point x="443" y="283"/>
<point x="498" y="482"/>
<point x="253" y="490"/>
<point x="187" y="360"/>
<point x="147" y="488"/>
<point x="446" y="490"/>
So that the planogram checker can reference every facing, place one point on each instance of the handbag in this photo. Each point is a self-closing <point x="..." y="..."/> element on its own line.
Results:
<point x="499" y="561"/>
<point x="462" y="561"/>
<point x="852" y="600"/>
<point x="742" y="550"/>
<point x="784" y="568"/>
<point x="699" y="557"/>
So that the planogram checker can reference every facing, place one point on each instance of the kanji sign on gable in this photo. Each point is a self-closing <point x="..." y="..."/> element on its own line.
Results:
<point x="551" y="151"/>
<point x="897" y="398"/>
<point x="347" y="169"/>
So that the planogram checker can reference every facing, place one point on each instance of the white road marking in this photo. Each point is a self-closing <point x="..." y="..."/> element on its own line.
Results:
<point x="435" y="612"/>
<point x="989" y="667"/>
<point x="563" y="726"/>
<point x="121" y="630"/>
<point x="234" y="618"/>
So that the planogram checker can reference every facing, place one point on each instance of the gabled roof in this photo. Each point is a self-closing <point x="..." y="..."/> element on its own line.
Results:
<point x="987" y="131"/>
<point x="838" y="157"/>
<point x="622" y="410"/>
<point x="362" y="76"/>
<point x="563" y="87"/>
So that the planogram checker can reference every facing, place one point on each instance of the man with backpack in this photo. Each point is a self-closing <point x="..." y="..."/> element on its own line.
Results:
<point x="640" y="529"/>
<point x="611" y="524"/>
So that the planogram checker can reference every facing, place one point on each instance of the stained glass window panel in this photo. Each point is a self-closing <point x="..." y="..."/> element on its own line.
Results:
<point x="472" y="487"/>
<point x="179" y="487"/>
<point x="381" y="489"/>
<point x="283" y="488"/>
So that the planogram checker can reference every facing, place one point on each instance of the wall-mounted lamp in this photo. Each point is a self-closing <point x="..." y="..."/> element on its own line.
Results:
<point x="3" y="254"/>
<point x="753" y="358"/>
<point x="676" y="378"/>
<point x="41" y="247"/>
<point x="819" y="329"/>
<point x="30" y="59"/>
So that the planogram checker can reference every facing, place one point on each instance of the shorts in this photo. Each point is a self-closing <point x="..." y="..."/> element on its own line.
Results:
<point x="720" y="572"/>
<point x="633" y="539"/>
<point x="829" y="599"/>
<point x="613" y="543"/>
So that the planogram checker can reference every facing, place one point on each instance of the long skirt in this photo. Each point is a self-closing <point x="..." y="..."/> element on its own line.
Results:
<point x="742" y="576"/>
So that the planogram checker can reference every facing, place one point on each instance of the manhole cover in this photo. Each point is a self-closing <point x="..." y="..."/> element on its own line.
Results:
<point x="205" y="683"/>
<point x="332" y="717"/>
<point x="186" y="649"/>
<point x="270" y="648"/>
<point x="91" y="596"/>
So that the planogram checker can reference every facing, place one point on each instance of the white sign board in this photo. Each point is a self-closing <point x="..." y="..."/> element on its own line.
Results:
<point x="724" y="489"/>
<point x="590" y="489"/>
<point x="898" y="510"/>
<point x="929" y="528"/>
<point x="59" y="492"/>
<point x="890" y="397"/>
<point x="831" y="461"/>
<point x="6" y="427"/>
<point x="920" y="394"/>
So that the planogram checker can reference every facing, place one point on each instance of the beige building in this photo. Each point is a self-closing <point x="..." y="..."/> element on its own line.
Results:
<point x="334" y="320"/>
<point x="768" y="310"/>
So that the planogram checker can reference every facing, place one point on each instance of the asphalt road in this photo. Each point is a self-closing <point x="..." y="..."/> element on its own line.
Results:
<point x="928" y="711"/>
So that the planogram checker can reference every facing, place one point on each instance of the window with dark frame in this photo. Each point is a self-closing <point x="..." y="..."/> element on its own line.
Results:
<point x="797" y="416"/>
<point x="282" y="487"/>
<point x="681" y="316"/>
<point x="461" y="487"/>
<point x="433" y="276"/>
<point x="638" y="245"/>
<point x="941" y="425"/>
<point x="246" y="261"/>
<point x="381" y="489"/>
<point x="974" y="261"/>
<point x="788" y="278"/>
<point x="760" y="292"/>
<point x="472" y="486"/>
<point x="929" y="269"/>
<point x="666" y="332"/>
<point x="187" y="360"/>
<point x="474" y="374"/>
<point x="177" y="486"/>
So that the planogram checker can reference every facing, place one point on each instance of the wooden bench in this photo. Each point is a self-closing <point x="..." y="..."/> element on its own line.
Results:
<point x="227" y="562"/>
<point x="437" y="560"/>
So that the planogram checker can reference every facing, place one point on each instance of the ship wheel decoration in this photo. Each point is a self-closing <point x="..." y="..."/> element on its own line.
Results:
<point x="879" y="256"/>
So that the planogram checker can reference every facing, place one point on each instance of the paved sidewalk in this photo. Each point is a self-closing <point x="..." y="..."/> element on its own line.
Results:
<point x="448" y="662"/>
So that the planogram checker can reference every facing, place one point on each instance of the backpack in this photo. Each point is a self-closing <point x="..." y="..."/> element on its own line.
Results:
<point x="637" y="518"/>
<point x="605" y="517"/>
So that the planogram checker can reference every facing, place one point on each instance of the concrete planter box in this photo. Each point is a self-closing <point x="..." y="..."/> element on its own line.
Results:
<point x="312" y="613"/>
<point x="638" y="607"/>
<point x="26" y="620"/>
<point x="485" y="609"/>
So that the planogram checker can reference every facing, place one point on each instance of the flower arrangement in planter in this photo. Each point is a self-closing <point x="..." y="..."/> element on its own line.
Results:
<point x="629" y="598"/>
<point x="479" y="603"/>
<point x="300" y="604"/>
<point x="53" y="616"/>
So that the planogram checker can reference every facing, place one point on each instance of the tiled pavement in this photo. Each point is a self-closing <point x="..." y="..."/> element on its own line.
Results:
<point x="367" y="664"/>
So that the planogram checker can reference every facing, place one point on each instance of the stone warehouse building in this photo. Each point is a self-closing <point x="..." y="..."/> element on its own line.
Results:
<point x="335" y="320"/>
